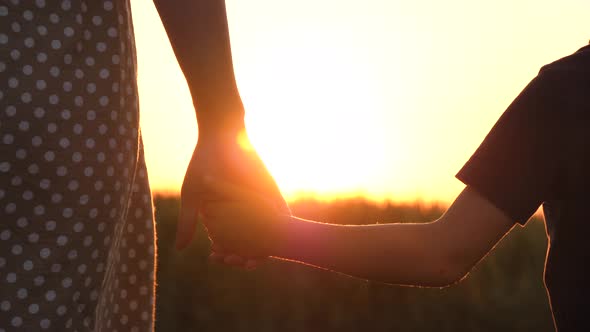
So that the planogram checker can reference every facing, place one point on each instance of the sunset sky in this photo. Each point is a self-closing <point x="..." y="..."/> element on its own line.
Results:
<point x="381" y="98"/>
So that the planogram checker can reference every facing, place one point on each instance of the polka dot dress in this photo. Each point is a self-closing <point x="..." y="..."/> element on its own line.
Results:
<point x="76" y="221"/>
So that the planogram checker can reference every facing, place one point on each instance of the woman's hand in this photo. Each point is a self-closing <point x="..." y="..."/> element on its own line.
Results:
<point x="227" y="156"/>
<point x="242" y="221"/>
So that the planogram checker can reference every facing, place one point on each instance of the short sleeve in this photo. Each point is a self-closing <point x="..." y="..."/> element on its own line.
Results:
<point x="516" y="166"/>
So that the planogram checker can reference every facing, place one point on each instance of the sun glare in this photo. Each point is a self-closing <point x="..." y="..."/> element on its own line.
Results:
<point x="327" y="139"/>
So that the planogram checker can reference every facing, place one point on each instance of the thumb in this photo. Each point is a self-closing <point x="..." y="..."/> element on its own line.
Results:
<point x="187" y="221"/>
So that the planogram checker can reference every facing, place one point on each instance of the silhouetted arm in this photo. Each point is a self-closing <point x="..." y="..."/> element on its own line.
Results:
<point x="433" y="254"/>
<point x="199" y="35"/>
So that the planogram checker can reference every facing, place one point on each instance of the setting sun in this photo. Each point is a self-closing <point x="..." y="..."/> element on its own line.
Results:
<point x="324" y="135"/>
<point x="380" y="99"/>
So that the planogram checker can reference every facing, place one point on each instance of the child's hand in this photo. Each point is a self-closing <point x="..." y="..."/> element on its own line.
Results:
<point x="241" y="221"/>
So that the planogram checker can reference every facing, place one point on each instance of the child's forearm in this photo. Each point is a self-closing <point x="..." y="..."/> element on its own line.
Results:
<point x="407" y="254"/>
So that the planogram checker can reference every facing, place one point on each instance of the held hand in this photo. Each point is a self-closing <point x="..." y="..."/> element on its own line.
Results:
<point x="242" y="221"/>
<point x="225" y="156"/>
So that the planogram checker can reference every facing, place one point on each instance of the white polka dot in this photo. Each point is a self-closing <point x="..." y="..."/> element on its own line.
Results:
<point x="64" y="142"/>
<point x="12" y="83"/>
<point x="103" y="101"/>
<point x="29" y="42"/>
<point x="36" y="141"/>
<point x="45" y="184"/>
<point x="33" y="237"/>
<point x="67" y="213"/>
<point x="4" y="166"/>
<point x="101" y="47"/>
<point x="77" y="157"/>
<point x="41" y="57"/>
<point x="40" y="3"/>
<point x="49" y="156"/>
<point x="15" y="54"/>
<point x="50" y="295"/>
<point x="73" y="185"/>
<point x="5" y="235"/>
<point x="26" y="97"/>
<point x="16" y="181"/>
<point x="17" y="249"/>
<point x="10" y="110"/>
<point x="39" y="280"/>
<point x="88" y="171"/>
<point x="39" y="112"/>
<point x="61" y="310"/>
<point x="27" y="70"/>
<point x="42" y="30"/>
<point x="97" y="20"/>
<point x="56" y="198"/>
<point x="100" y="157"/>
<point x="16" y="27"/>
<point x="78" y="128"/>
<point x="23" y="126"/>
<point x="16" y="321"/>
<point x="68" y="31"/>
<point x="52" y="128"/>
<point x="5" y="305"/>
<point x="10" y="208"/>
<point x="90" y="143"/>
<point x="53" y="99"/>
<point x="28" y="265"/>
<point x="78" y="227"/>
<point x="44" y="253"/>
<point x="22" y="293"/>
<point x="33" y="308"/>
<point x="54" y="18"/>
<point x="56" y="44"/>
<point x="8" y="139"/>
<point x="72" y="254"/>
<point x="98" y="185"/>
<point x="67" y="86"/>
<point x="62" y="171"/>
<point x="50" y="225"/>
<point x="22" y="222"/>
<point x="28" y="195"/>
<point x="11" y="277"/>
<point x="39" y="210"/>
<point x="62" y="240"/>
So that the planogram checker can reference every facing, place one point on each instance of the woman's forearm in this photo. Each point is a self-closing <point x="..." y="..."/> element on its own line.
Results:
<point x="199" y="35"/>
<point x="405" y="254"/>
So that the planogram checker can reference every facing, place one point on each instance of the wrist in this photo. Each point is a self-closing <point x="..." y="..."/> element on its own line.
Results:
<point x="219" y="113"/>
<point x="285" y="237"/>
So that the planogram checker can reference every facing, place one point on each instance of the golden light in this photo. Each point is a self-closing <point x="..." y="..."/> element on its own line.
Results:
<point x="327" y="138"/>
<point x="379" y="98"/>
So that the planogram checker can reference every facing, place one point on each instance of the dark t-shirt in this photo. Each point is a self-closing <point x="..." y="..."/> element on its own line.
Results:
<point x="539" y="153"/>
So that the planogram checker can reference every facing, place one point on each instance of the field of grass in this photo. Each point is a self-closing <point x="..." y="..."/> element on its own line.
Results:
<point x="503" y="293"/>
